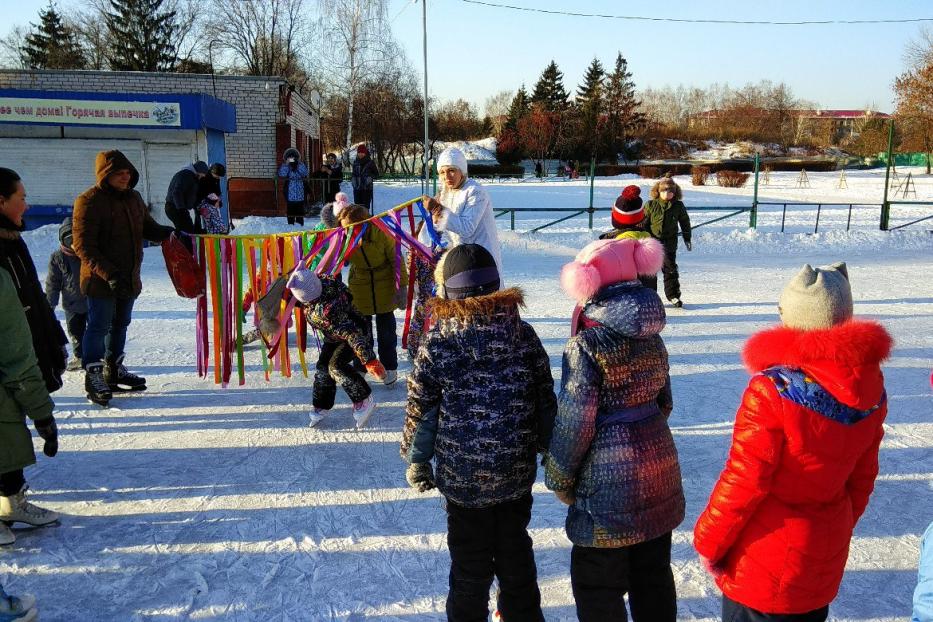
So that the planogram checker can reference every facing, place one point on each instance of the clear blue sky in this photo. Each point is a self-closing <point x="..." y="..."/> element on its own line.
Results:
<point x="476" y="51"/>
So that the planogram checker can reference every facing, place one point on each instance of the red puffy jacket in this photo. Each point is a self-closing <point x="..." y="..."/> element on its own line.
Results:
<point x="797" y="478"/>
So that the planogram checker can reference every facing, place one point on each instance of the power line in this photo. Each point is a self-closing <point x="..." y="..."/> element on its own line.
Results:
<point x="643" y="18"/>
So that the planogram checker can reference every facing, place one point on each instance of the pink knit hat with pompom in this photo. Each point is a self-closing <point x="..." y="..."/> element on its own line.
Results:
<point x="605" y="262"/>
<point x="341" y="201"/>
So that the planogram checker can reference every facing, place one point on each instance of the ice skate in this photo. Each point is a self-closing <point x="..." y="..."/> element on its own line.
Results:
<point x="74" y="364"/>
<point x="17" y="608"/>
<point x="677" y="303"/>
<point x="362" y="411"/>
<point x="15" y="509"/>
<point x="120" y="379"/>
<point x="98" y="391"/>
<point x="316" y="416"/>
<point x="391" y="377"/>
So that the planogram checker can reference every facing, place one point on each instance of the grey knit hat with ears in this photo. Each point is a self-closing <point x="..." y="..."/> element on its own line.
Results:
<point x="817" y="298"/>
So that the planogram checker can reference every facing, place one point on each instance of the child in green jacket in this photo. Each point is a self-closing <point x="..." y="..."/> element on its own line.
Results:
<point x="666" y="212"/>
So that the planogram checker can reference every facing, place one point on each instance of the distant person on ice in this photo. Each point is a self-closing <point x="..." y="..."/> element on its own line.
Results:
<point x="295" y="174"/>
<point x="612" y="457"/>
<point x="481" y="404"/>
<point x="775" y="534"/>
<point x="328" y="307"/>
<point x="110" y="222"/>
<point x="363" y="179"/>
<point x="462" y="208"/>
<point x="666" y="212"/>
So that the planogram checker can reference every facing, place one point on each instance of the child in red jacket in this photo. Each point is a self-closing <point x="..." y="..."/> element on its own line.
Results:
<point x="804" y="456"/>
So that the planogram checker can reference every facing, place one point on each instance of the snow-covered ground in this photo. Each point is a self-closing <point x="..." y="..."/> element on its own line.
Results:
<point x="195" y="502"/>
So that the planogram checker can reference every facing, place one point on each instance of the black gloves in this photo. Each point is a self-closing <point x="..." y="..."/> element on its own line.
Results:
<point x="48" y="430"/>
<point x="114" y="282"/>
<point x="420" y="476"/>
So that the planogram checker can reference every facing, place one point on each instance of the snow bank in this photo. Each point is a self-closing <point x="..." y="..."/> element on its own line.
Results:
<point x="475" y="151"/>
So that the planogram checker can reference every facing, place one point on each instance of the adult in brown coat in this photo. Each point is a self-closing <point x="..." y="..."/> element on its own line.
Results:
<point x="110" y="221"/>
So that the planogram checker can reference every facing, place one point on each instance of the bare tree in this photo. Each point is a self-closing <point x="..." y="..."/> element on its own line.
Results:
<point x="11" y="48"/>
<point x="497" y="109"/>
<point x="262" y="36"/>
<point x="919" y="52"/>
<point x="91" y="27"/>
<point x="357" y="42"/>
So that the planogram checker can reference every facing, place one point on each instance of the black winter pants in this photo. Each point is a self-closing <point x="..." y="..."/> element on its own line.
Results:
<point x="487" y="542"/>
<point x="364" y="198"/>
<point x="336" y="365"/>
<point x="386" y="338"/>
<point x="669" y="270"/>
<point x="11" y="482"/>
<point x="77" y="324"/>
<point x="601" y="577"/>
<point x="734" y="612"/>
<point x="295" y="212"/>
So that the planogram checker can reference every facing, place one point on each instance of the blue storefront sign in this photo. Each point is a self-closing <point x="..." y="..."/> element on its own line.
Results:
<point x="131" y="111"/>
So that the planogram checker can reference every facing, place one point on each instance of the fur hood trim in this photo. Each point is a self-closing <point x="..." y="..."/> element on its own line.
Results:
<point x="851" y="344"/>
<point x="656" y="189"/>
<point x="510" y="299"/>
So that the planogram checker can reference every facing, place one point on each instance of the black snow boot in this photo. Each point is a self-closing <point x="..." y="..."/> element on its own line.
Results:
<point x="94" y="384"/>
<point x="119" y="378"/>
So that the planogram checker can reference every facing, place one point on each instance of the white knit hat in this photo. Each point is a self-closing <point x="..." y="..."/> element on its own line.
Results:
<point x="452" y="157"/>
<point x="305" y="285"/>
<point x="817" y="298"/>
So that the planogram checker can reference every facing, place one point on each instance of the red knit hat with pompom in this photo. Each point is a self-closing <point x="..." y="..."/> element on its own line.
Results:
<point x="628" y="210"/>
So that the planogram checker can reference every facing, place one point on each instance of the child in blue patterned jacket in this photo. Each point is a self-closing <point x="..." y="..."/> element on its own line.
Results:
<point x="612" y="457"/>
<point x="481" y="403"/>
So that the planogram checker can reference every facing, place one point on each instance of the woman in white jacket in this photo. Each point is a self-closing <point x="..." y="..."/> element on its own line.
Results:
<point x="462" y="208"/>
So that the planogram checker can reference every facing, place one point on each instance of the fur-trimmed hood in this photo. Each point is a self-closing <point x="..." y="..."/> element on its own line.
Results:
<point x="505" y="301"/>
<point x="656" y="189"/>
<point x="845" y="359"/>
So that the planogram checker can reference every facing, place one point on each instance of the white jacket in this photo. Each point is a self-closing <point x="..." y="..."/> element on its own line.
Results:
<point x="467" y="218"/>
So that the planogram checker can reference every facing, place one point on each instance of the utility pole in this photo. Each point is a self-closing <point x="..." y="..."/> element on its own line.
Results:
<point x="424" y="26"/>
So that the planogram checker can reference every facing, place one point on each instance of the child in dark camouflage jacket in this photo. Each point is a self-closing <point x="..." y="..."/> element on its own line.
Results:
<point x="329" y="309"/>
<point x="481" y="403"/>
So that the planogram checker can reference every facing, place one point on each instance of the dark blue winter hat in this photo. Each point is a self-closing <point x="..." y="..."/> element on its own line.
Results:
<point x="465" y="271"/>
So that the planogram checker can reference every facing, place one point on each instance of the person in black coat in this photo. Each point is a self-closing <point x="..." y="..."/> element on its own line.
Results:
<point x="334" y="176"/>
<point x="364" y="174"/>
<point x="48" y="338"/>
<point x="210" y="184"/>
<point x="181" y="200"/>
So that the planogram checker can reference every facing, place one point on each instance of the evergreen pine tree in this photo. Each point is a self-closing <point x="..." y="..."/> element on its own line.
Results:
<point x="518" y="108"/>
<point x="141" y="36"/>
<point x="51" y="44"/>
<point x="591" y="89"/>
<point x="622" y="114"/>
<point x="549" y="90"/>
<point x="590" y="108"/>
